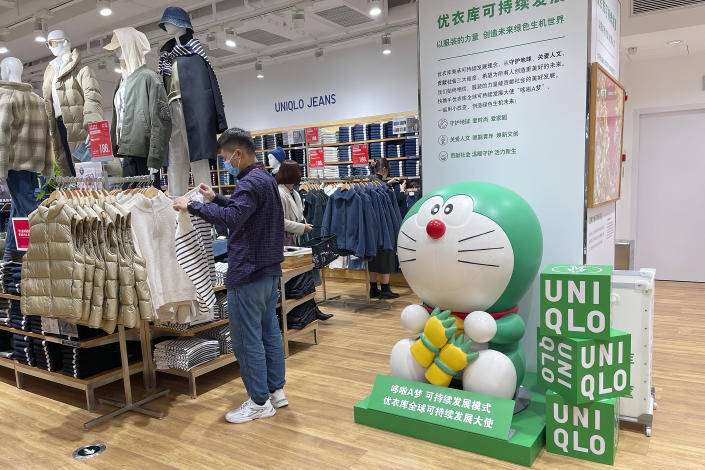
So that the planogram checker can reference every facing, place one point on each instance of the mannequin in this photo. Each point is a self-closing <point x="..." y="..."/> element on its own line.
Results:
<point x="141" y="124"/>
<point x="195" y="103"/>
<point x="25" y="146"/>
<point x="72" y="99"/>
<point x="275" y="159"/>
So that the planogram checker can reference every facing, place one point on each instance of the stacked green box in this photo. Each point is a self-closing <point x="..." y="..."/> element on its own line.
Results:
<point x="583" y="362"/>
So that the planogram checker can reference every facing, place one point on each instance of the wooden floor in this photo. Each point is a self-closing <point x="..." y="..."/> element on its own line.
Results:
<point x="41" y="426"/>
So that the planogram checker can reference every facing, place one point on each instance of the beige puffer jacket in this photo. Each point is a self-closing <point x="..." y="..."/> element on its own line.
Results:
<point x="53" y="269"/>
<point x="78" y="90"/>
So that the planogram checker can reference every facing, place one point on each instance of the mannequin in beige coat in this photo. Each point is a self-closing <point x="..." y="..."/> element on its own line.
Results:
<point x="72" y="99"/>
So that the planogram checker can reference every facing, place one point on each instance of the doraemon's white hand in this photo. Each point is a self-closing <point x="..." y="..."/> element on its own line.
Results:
<point x="414" y="318"/>
<point x="480" y="326"/>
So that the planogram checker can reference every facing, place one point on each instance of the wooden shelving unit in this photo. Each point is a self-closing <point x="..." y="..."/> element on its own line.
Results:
<point x="288" y="305"/>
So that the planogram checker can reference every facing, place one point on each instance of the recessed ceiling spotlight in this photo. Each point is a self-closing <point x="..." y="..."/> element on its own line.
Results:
<point x="40" y="30"/>
<point x="259" y="69"/>
<point x="103" y="7"/>
<point x="386" y="44"/>
<point x="299" y="19"/>
<point x="375" y="7"/>
<point x="230" y="38"/>
<point x="318" y="54"/>
<point x="674" y="42"/>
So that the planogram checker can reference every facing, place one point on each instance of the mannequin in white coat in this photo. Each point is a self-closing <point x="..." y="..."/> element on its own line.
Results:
<point x="179" y="162"/>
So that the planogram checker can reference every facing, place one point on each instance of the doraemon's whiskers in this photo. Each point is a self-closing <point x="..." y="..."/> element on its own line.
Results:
<point x="407" y="236"/>
<point x="479" y="264"/>
<point x="481" y="249"/>
<point x="405" y="248"/>
<point x="475" y="236"/>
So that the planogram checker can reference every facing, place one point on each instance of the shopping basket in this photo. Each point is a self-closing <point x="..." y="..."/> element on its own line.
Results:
<point x="324" y="250"/>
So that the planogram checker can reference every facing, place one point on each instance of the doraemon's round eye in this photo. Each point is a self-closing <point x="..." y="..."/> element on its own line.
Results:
<point x="429" y="210"/>
<point x="457" y="209"/>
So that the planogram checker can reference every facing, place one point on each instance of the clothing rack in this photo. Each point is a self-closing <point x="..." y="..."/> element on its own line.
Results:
<point x="361" y="304"/>
<point x="127" y="404"/>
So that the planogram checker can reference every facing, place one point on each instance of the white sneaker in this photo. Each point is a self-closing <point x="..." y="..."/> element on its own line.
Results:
<point x="250" y="411"/>
<point x="278" y="399"/>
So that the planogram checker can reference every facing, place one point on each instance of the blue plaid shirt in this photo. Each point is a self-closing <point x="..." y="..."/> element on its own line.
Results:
<point x="255" y="218"/>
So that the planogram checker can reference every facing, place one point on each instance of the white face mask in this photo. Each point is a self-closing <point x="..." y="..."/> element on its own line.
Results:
<point x="59" y="47"/>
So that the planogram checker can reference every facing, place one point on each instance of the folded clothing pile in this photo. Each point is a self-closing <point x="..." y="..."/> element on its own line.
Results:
<point x="411" y="167"/>
<point x="221" y="270"/>
<point x="4" y="312"/>
<point x="23" y="349"/>
<point x="396" y="169"/>
<point x="220" y="334"/>
<point x="5" y="341"/>
<point x="301" y="315"/>
<point x="411" y="147"/>
<point x="300" y="286"/>
<point x="82" y="363"/>
<point x="11" y="272"/>
<point x="359" y="132"/>
<point x="388" y="130"/>
<point x="221" y="306"/>
<point x="17" y="320"/>
<point x="48" y="355"/>
<point x="185" y="353"/>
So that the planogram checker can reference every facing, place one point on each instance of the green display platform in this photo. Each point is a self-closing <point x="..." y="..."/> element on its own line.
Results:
<point x="523" y="447"/>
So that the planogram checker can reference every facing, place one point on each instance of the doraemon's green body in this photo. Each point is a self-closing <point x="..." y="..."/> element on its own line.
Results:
<point x="472" y="247"/>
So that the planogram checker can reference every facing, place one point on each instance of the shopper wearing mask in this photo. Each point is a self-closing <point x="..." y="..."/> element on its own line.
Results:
<point x="288" y="176"/>
<point x="382" y="265"/>
<point x="254" y="215"/>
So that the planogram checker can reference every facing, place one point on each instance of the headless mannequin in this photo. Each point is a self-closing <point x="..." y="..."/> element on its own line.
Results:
<point x="11" y="70"/>
<point x="179" y="162"/>
<point x="21" y="183"/>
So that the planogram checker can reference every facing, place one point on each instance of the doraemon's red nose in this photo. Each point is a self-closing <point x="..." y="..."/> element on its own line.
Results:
<point x="436" y="229"/>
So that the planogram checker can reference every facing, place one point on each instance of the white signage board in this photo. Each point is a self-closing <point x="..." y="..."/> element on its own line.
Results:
<point x="503" y="100"/>
<point x="604" y="49"/>
<point x="605" y="34"/>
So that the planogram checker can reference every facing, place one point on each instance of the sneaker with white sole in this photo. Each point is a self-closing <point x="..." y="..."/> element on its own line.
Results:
<point x="278" y="399"/>
<point x="250" y="411"/>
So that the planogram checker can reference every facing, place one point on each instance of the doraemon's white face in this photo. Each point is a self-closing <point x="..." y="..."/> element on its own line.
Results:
<point x="453" y="257"/>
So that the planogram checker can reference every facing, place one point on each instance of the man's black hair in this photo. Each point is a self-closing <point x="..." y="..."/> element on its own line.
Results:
<point x="236" y="137"/>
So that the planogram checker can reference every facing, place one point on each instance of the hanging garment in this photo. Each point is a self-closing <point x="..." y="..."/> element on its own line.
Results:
<point x="192" y="257"/>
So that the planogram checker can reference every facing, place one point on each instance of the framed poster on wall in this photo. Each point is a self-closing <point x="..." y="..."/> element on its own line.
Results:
<point x="606" y="135"/>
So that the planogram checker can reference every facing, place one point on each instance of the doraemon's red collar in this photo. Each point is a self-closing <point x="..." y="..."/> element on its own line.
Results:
<point x="495" y="315"/>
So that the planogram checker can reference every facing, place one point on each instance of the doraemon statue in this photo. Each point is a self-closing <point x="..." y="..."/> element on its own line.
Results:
<point x="470" y="251"/>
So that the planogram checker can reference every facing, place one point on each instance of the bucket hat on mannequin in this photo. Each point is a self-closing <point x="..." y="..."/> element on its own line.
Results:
<point x="176" y="16"/>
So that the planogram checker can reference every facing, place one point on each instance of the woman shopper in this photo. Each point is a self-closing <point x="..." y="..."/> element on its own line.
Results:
<point x="288" y="176"/>
<point x="382" y="265"/>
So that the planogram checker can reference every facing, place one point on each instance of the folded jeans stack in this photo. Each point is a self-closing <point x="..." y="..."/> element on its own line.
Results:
<point x="11" y="272"/>
<point x="411" y="167"/>
<point x="48" y="355"/>
<point x="185" y="353"/>
<point x="396" y="169"/>
<point x="411" y="147"/>
<point x="82" y="363"/>
<point x="23" y="351"/>
<point x="300" y="286"/>
<point x="299" y="317"/>
<point x="17" y="320"/>
<point x="5" y="341"/>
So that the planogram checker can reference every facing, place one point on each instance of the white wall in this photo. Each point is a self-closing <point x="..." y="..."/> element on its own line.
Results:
<point x="365" y="82"/>
<point x="653" y="84"/>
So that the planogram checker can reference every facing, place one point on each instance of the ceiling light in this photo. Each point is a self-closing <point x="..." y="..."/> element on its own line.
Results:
<point x="259" y="70"/>
<point x="675" y="42"/>
<point x="230" y="38"/>
<point x="40" y="30"/>
<point x="318" y="54"/>
<point x="103" y="7"/>
<point x="375" y="7"/>
<point x="210" y="40"/>
<point x="386" y="44"/>
<point x="3" y="47"/>
<point x="118" y="68"/>
<point x="3" y="41"/>
<point x="298" y="18"/>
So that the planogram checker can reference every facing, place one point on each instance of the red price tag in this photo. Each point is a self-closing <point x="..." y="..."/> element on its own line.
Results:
<point x="312" y="135"/>
<point x="101" y="150"/>
<point x="360" y="155"/>
<point x="316" y="158"/>
<point x="21" y="227"/>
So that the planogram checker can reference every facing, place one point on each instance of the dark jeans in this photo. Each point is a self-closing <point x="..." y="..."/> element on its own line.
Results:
<point x="65" y="141"/>
<point x="22" y="185"/>
<point x="137" y="166"/>
<point x="257" y="341"/>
